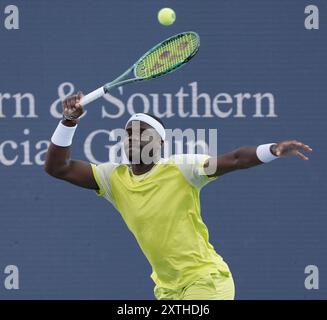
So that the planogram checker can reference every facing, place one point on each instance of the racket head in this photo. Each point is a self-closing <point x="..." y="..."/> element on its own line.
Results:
<point x="167" y="56"/>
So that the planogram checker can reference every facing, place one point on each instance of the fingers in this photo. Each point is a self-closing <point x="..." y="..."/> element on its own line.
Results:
<point x="80" y="95"/>
<point x="69" y="102"/>
<point x="301" y="155"/>
<point x="303" y="146"/>
<point x="278" y="152"/>
<point x="72" y="107"/>
<point x="293" y="148"/>
<point x="72" y="101"/>
<point x="76" y="101"/>
<point x="65" y="105"/>
<point x="306" y="148"/>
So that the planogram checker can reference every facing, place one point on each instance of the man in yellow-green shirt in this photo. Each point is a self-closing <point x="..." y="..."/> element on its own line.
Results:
<point x="159" y="199"/>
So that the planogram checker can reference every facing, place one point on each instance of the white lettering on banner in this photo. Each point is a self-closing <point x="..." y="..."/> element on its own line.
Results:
<point x="218" y="100"/>
<point x="240" y="103"/>
<point x="195" y="99"/>
<point x="169" y="105"/>
<point x="187" y="102"/>
<point x="114" y="151"/>
<point x="88" y="144"/>
<point x="18" y="98"/>
<point x="145" y="103"/>
<point x="258" y="110"/>
<point x="189" y="140"/>
<point x="3" y="158"/>
<point x="23" y="153"/>
<point x="165" y="105"/>
<point x="26" y="148"/>
<point x="180" y="102"/>
<point x="115" y="102"/>
<point x="38" y="157"/>
<point x="193" y="104"/>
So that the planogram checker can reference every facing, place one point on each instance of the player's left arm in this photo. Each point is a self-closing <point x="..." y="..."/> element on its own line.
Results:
<point x="247" y="157"/>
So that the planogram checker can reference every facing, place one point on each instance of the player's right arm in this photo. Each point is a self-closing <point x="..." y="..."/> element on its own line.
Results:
<point x="58" y="162"/>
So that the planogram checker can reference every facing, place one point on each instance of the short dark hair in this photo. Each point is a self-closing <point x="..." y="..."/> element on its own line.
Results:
<point x="155" y="117"/>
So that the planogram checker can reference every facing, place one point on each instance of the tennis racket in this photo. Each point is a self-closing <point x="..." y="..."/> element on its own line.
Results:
<point x="165" y="57"/>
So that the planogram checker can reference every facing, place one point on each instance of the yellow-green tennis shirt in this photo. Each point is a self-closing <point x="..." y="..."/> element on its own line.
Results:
<point x="162" y="209"/>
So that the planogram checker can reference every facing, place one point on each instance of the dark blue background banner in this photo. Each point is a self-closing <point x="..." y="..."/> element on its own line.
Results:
<point x="268" y="222"/>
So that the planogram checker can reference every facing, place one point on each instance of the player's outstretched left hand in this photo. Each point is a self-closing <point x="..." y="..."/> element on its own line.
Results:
<point x="291" y="148"/>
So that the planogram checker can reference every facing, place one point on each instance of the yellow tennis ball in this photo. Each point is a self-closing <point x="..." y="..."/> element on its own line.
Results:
<point x="166" y="16"/>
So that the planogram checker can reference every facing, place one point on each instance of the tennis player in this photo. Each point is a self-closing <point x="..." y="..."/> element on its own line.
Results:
<point x="160" y="199"/>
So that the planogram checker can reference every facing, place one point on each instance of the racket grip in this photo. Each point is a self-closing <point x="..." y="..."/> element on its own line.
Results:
<point x="92" y="96"/>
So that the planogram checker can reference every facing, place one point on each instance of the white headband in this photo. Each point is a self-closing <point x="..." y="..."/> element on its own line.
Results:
<point x="149" y="120"/>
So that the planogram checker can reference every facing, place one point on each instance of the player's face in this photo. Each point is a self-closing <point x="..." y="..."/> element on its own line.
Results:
<point x="141" y="142"/>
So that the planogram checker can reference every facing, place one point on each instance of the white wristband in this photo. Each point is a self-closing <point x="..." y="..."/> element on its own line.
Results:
<point x="264" y="154"/>
<point x="63" y="135"/>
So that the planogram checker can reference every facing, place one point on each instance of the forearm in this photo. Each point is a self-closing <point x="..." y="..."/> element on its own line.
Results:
<point x="246" y="157"/>
<point x="241" y="158"/>
<point x="58" y="157"/>
<point x="57" y="160"/>
<point x="58" y="163"/>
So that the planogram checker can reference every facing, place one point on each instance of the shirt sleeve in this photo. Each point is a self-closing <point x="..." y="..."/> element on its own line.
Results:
<point x="192" y="166"/>
<point x="102" y="174"/>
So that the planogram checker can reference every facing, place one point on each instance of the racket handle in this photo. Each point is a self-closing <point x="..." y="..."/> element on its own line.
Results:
<point x="92" y="96"/>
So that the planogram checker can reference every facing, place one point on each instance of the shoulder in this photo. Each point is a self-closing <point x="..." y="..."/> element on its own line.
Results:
<point x="192" y="167"/>
<point x="108" y="166"/>
<point x="104" y="170"/>
<point x="102" y="174"/>
<point x="188" y="158"/>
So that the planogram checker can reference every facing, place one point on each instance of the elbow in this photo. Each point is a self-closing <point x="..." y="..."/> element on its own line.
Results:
<point x="53" y="172"/>
<point x="48" y="167"/>
<point x="49" y="170"/>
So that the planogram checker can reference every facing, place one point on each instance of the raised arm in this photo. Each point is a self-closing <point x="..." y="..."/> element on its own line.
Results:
<point x="58" y="163"/>
<point x="247" y="157"/>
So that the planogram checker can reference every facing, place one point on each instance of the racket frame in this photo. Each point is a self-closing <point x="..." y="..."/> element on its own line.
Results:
<point x="123" y="79"/>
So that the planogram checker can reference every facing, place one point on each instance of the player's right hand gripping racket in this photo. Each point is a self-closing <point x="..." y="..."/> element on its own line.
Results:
<point x="165" y="57"/>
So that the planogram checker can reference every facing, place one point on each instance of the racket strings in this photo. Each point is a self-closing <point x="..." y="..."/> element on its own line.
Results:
<point x="168" y="56"/>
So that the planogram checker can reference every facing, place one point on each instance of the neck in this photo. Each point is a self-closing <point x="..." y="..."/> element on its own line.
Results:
<point x="142" y="168"/>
